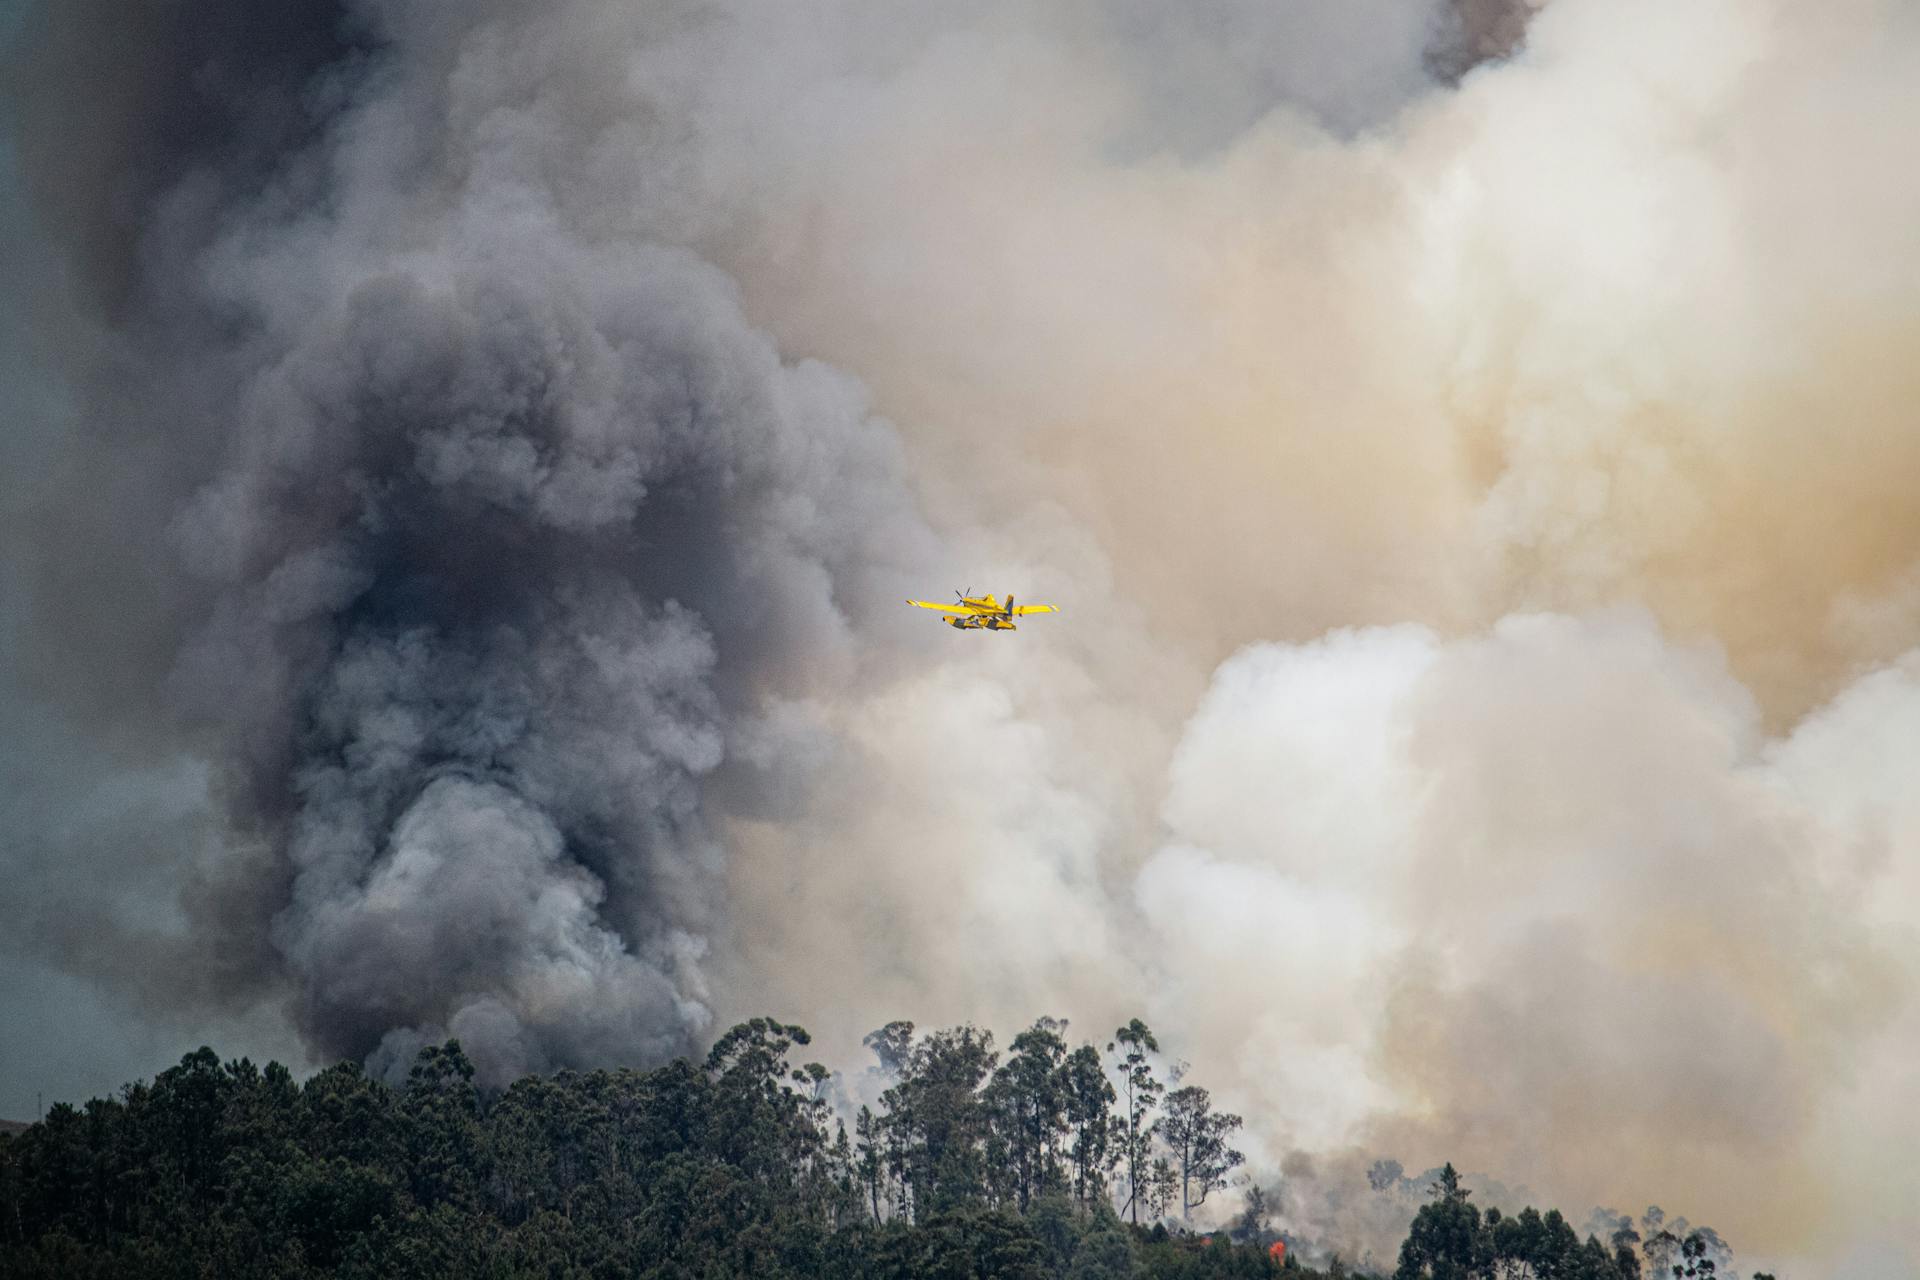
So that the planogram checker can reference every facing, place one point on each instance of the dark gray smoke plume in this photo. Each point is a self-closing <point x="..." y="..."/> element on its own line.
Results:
<point x="470" y="544"/>
<point x="1471" y="32"/>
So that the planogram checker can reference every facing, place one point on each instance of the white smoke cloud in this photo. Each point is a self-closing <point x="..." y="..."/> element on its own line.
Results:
<point x="1578" y="929"/>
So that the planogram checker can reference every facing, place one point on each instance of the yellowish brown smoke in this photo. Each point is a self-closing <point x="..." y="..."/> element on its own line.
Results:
<point x="1596" y="370"/>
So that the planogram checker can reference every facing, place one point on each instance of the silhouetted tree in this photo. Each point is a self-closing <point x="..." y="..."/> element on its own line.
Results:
<point x="1133" y="1043"/>
<point x="1027" y="1101"/>
<point x="1089" y="1098"/>
<point x="1196" y="1135"/>
<point x="1447" y="1240"/>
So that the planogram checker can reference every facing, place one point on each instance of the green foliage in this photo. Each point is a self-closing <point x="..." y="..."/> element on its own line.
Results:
<point x="1163" y="1255"/>
<point x="936" y="1129"/>
<point x="730" y="1169"/>
<point x="1088" y="1098"/>
<point x="972" y="1168"/>
<point x="1027" y="1109"/>
<point x="1451" y="1240"/>
<point x="1105" y="1252"/>
<point x="1448" y="1240"/>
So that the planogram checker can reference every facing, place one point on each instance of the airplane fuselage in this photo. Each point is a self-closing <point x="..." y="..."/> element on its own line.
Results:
<point x="982" y="613"/>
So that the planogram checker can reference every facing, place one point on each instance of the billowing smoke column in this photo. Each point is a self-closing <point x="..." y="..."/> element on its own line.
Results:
<point x="489" y="521"/>
<point x="491" y="540"/>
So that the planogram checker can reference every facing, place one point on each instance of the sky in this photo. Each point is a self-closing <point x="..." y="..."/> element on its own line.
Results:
<point x="463" y="469"/>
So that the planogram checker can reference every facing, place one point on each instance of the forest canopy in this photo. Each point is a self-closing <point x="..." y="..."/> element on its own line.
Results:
<point x="1045" y="1160"/>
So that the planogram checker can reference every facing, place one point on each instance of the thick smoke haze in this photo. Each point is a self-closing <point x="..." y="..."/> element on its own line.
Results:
<point x="469" y="459"/>
<point x="473" y="508"/>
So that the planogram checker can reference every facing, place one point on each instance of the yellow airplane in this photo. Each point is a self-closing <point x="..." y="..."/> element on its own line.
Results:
<point x="982" y="613"/>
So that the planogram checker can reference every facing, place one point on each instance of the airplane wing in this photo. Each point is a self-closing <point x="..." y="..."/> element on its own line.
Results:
<point x="1034" y="608"/>
<point x="943" y="608"/>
